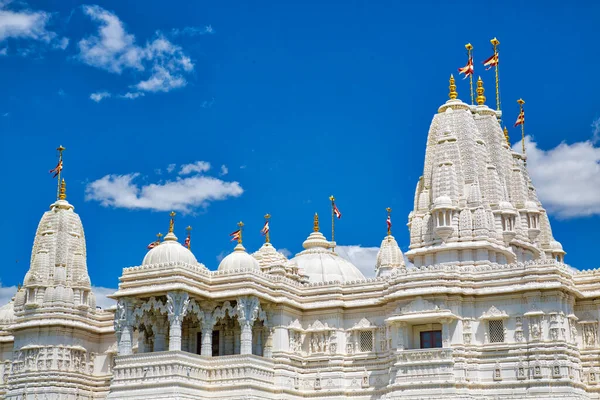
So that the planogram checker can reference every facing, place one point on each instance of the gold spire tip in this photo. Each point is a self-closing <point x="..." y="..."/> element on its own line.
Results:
<point x="469" y="46"/>
<point x="331" y="198"/>
<point x="495" y="42"/>
<point x="480" y="90"/>
<point x="521" y="102"/>
<point x="506" y="135"/>
<point x="189" y="229"/>
<point x="453" y="94"/>
<point x="62" y="194"/>
<point x="389" y="210"/>
<point x="267" y="216"/>
<point x="60" y="148"/>
<point x="172" y="222"/>
<point x="159" y="236"/>
<point x="316" y="223"/>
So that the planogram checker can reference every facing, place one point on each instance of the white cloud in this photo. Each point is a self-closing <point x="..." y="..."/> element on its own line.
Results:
<point x="99" y="96"/>
<point x="101" y="299"/>
<point x="207" y="104"/>
<point x="363" y="258"/>
<point x="6" y="294"/>
<point x="171" y="168"/>
<point x="193" y="31"/>
<point x="132" y="95"/>
<point x="182" y="194"/>
<point x="198" y="166"/>
<point x="567" y="177"/>
<point x="285" y="252"/>
<point x="224" y="170"/>
<point x="3" y="51"/>
<point x="26" y="24"/>
<point x="114" y="50"/>
<point x="596" y="131"/>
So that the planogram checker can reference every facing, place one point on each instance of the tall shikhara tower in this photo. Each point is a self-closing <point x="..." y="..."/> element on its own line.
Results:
<point x="475" y="203"/>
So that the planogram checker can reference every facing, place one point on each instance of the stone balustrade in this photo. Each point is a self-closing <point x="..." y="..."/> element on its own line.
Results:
<point x="424" y="365"/>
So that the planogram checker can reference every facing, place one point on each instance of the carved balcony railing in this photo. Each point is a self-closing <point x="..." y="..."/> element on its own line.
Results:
<point x="176" y="367"/>
<point x="424" y="365"/>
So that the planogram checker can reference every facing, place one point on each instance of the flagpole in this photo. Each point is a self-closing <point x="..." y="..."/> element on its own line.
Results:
<point x="332" y="222"/>
<point x="60" y="151"/>
<point x="267" y="234"/>
<point x="521" y="102"/>
<point x="469" y="48"/>
<point x="240" y="225"/>
<point x="389" y="212"/>
<point x="495" y="42"/>
<point x="189" y="236"/>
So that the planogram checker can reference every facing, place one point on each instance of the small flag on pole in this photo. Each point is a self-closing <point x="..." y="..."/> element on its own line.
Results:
<point x="235" y="235"/>
<point x="337" y="212"/>
<point x="468" y="69"/>
<point x="187" y="242"/>
<point x="491" y="62"/>
<point x="265" y="228"/>
<point x="389" y="223"/>
<point x="56" y="170"/>
<point x="520" y="118"/>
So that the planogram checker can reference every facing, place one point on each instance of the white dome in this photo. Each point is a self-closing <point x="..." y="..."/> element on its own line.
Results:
<point x="238" y="259"/>
<point x="320" y="264"/>
<point x="389" y="255"/>
<point x="267" y="256"/>
<point x="7" y="313"/>
<point x="170" y="250"/>
<point x="442" y="202"/>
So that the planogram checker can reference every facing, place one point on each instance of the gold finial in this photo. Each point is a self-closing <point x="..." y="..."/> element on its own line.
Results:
<point x="266" y="228"/>
<point x="159" y="236"/>
<point x="188" y="229"/>
<point x="62" y="193"/>
<point x="506" y="135"/>
<point x="495" y="42"/>
<point x="469" y="46"/>
<point x="480" y="90"/>
<point x="389" y="220"/>
<point x="172" y="222"/>
<point x="331" y="198"/>
<point x="521" y="102"/>
<point x="521" y="113"/>
<point x="241" y="226"/>
<point x="316" y="223"/>
<point x="453" y="94"/>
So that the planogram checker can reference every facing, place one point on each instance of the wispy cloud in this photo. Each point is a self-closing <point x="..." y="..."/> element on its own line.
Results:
<point x="567" y="177"/>
<point x="363" y="258"/>
<point x="6" y="293"/>
<point x="132" y="95"/>
<point x="99" y="96"/>
<point x="198" y="167"/>
<point x="163" y="63"/>
<point x="224" y="170"/>
<point x="171" y="168"/>
<point x="285" y="252"/>
<point x="182" y="194"/>
<point x="3" y="51"/>
<point x="207" y="103"/>
<point x="22" y="23"/>
<point x="596" y="131"/>
<point x="101" y="299"/>
<point x="193" y="31"/>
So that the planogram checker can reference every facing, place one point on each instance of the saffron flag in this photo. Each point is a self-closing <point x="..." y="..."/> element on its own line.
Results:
<point x="467" y="69"/>
<point x="520" y="118"/>
<point x="491" y="62"/>
<point x="235" y="235"/>
<point x="56" y="170"/>
<point x="389" y="222"/>
<point x="336" y="211"/>
<point x="265" y="228"/>
<point x="187" y="242"/>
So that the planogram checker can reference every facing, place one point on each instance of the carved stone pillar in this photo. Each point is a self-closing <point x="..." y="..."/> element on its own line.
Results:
<point x="207" y="331"/>
<point x="245" y="336"/>
<point x="177" y="304"/>
<point x="268" y="352"/>
<point x="124" y="326"/>
<point x="160" y="337"/>
<point x="236" y="340"/>
<point x="401" y="336"/>
<point x="141" y="341"/>
<point x="446" y="332"/>
<point x="247" y="310"/>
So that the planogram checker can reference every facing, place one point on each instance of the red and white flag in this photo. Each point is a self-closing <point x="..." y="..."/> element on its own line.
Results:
<point x="336" y="211"/>
<point x="491" y="62"/>
<point x="520" y="118"/>
<point x="389" y="222"/>
<point x="187" y="242"/>
<point x="236" y="235"/>
<point x="56" y="170"/>
<point x="467" y="69"/>
<point x="153" y="245"/>
<point x="265" y="228"/>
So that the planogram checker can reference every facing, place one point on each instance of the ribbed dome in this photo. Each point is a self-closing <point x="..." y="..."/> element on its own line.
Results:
<point x="320" y="264"/>
<point x="267" y="256"/>
<point x="170" y="250"/>
<point x="389" y="256"/>
<point x="238" y="259"/>
<point x="7" y="313"/>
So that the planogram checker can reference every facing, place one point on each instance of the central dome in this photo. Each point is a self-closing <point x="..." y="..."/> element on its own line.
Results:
<point x="170" y="250"/>
<point x="238" y="260"/>
<point x="321" y="264"/>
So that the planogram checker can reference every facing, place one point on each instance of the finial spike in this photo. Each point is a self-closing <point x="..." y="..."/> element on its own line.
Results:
<point x="316" y="223"/>
<point x="389" y="221"/>
<point x="453" y="94"/>
<point x="480" y="90"/>
<point x="159" y="236"/>
<point x="267" y="229"/>
<point x="62" y="195"/>
<point x="172" y="221"/>
<point x="241" y="226"/>
<point x="506" y="136"/>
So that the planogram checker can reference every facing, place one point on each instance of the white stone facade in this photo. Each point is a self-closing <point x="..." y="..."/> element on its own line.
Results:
<point x="486" y="310"/>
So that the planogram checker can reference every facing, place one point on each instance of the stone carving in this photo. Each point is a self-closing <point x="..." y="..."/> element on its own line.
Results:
<point x="418" y="305"/>
<point x="177" y="306"/>
<point x="467" y="335"/>
<point x="590" y="334"/>
<point x="519" y="337"/>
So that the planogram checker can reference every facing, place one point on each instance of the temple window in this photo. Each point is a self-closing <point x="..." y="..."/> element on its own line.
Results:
<point x="431" y="339"/>
<point x="366" y="341"/>
<point x="496" y="330"/>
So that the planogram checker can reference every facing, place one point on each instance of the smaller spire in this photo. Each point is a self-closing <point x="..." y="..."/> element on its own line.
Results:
<point x="62" y="192"/>
<point x="453" y="94"/>
<point x="506" y="135"/>
<point x="389" y="221"/>
<point x="480" y="90"/>
<point x="316" y="223"/>
<point x="172" y="222"/>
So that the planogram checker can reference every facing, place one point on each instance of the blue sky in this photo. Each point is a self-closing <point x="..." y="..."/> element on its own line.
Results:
<point x="297" y="99"/>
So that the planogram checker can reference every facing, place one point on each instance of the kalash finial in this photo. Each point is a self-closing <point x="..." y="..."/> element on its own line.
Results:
<point x="241" y="226"/>
<point x="480" y="90"/>
<point x="506" y="135"/>
<point x="316" y="223"/>
<point x="62" y="193"/>
<point x="172" y="222"/>
<point x="453" y="94"/>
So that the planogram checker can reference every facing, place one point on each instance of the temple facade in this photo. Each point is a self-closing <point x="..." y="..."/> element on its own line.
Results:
<point x="482" y="306"/>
